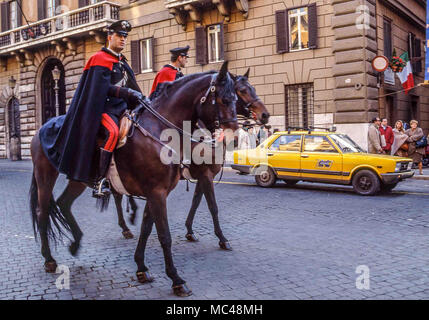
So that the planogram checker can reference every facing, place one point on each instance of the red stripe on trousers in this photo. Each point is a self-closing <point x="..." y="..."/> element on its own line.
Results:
<point x="113" y="129"/>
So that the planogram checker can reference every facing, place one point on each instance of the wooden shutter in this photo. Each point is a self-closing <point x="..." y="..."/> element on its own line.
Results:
<point x="221" y="42"/>
<point x="152" y="48"/>
<point x="312" y="26"/>
<point x="417" y="66"/>
<point x="135" y="56"/>
<point x="19" y="13"/>
<point x="5" y="16"/>
<point x="41" y="9"/>
<point x="282" y="31"/>
<point x="200" y="45"/>
<point x="387" y="38"/>
<point x="83" y="3"/>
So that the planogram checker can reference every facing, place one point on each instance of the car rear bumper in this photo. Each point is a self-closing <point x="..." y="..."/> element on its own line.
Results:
<point x="390" y="178"/>
<point x="241" y="168"/>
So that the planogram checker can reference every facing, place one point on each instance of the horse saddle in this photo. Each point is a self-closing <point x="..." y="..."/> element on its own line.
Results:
<point x="125" y="125"/>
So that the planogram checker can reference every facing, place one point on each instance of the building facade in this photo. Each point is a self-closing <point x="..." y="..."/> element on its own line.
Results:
<point x="309" y="60"/>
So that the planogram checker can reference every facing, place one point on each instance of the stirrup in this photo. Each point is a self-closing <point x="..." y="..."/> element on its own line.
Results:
<point x="101" y="189"/>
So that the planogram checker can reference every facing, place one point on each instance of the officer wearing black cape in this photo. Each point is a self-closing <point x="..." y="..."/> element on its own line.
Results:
<point x="106" y="89"/>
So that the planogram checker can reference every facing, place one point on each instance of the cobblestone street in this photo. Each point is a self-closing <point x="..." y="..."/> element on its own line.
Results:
<point x="301" y="242"/>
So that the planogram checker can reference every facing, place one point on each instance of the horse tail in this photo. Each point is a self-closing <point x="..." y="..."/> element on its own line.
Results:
<point x="57" y="224"/>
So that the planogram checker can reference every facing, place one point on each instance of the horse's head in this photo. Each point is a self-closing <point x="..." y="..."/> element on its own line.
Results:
<point x="249" y="104"/>
<point x="218" y="106"/>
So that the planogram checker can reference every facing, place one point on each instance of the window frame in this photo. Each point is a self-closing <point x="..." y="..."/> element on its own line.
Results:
<point x="295" y="113"/>
<point x="149" y="58"/>
<point x="217" y="43"/>
<point x="50" y="9"/>
<point x="13" y="19"/>
<point x="287" y="135"/>
<point x="298" y="15"/>
<point x="336" y="151"/>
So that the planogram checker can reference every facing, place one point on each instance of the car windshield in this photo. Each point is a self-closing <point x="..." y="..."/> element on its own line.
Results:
<point x="346" y="144"/>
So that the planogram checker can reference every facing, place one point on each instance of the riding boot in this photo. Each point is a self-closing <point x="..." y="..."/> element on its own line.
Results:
<point x="102" y="187"/>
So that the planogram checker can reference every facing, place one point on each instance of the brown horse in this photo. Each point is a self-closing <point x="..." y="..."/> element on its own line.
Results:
<point x="248" y="104"/>
<point x="140" y="167"/>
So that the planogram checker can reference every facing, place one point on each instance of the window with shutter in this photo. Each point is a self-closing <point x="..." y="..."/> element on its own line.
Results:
<point x="387" y="38"/>
<point x="19" y="15"/>
<point x="215" y="43"/>
<point x="135" y="56"/>
<point x="152" y="45"/>
<point x="312" y="26"/>
<point x="417" y="65"/>
<point x="282" y="32"/>
<point x="41" y="9"/>
<point x="5" y="23"/>
<point x="200" y="45"/>
<point x="146" y="55"/>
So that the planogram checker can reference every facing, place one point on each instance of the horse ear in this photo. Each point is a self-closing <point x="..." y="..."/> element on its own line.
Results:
<point x="246" y="75"/>
<point x="223" y="71"/>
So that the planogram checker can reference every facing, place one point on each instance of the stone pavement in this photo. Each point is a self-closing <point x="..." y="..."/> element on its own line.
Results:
<point x="301" y="242"/>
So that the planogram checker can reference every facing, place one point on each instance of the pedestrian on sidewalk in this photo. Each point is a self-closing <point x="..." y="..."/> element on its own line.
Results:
<point x="386" y="135"/>
<point x="400" y="145"/>
<point x="374" y="137"/>
<point x="415" y="134"/>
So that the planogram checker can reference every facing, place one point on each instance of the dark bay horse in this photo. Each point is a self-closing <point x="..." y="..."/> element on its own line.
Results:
<point x="248" y="105"/>
<point x="140" y="167"/>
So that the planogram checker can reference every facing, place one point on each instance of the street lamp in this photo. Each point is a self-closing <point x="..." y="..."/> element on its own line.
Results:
<point x="56" y="74"/>
<point x="12" y="84"/>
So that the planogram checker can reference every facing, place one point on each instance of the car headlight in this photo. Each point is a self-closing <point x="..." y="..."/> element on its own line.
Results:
<point x="398" y="167"/>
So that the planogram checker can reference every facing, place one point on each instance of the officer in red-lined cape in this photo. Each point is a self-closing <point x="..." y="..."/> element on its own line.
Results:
<point x="106" y="89"/>
<point x="172" y="71"/>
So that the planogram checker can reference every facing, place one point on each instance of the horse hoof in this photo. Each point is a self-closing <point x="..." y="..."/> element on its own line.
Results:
<point x="127" y="234"/>
<point x="225" y="246"/>
<point x="144" y="277"/>
<point x="74" y="248"/>
<point x="191" y="237"/>
<point x="182" y="290"/>
<point x="50" y="267"/>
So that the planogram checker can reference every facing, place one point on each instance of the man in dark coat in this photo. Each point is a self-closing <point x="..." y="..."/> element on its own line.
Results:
<point x="106" y="89"/>
<point x="171" y="72"/>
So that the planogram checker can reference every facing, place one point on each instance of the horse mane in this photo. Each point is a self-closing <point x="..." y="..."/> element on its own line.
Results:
<point x="165" y="89"/>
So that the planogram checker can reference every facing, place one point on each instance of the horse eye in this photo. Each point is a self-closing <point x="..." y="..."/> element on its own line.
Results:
<point x="243" y="91"/>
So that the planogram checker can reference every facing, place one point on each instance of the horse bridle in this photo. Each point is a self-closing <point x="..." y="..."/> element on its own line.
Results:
<point x="211" y="92"/>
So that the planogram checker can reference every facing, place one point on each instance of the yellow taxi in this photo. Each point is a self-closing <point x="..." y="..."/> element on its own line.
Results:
<point x="319" y="156"/>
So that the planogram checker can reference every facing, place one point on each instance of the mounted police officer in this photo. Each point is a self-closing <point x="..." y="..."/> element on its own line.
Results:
<point x="106" y="89"/>
<point x="172" y="71"/>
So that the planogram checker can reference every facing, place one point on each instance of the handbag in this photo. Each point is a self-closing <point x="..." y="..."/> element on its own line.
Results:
<point x="423" y="142"/>
<point x="404" y="146"/>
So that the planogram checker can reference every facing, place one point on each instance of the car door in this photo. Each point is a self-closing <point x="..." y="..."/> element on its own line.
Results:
<point x="284" y="155"/>
<point x="320" y="160"/>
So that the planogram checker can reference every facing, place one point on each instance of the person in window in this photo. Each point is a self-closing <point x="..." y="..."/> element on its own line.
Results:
<point x="106" y="89"/>
<point x="386" y="132"/>
<point x="374" y="137"/>
<point x="171" y="71"/>
<point x="415" y="134"/>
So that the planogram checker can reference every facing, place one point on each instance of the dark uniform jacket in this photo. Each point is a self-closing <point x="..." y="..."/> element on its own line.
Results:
<point x="69" y="141"/>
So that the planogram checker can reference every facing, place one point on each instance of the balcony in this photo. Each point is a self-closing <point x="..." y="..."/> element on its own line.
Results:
<point x="60" y="28"/>
<point x="182" y="9"/>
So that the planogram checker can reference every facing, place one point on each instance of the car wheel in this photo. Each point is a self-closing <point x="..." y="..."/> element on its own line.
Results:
<point x="290" y="182"/>
<point x="388" y="187"/>
<point x="366" y="183"/>
<point x="265" y="177"/>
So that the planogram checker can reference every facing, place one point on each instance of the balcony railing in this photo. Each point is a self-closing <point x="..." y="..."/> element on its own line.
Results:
<point x="92" y="17"/>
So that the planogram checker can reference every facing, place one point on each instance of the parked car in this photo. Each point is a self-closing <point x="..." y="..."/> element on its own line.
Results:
<point x="318" y="156"/>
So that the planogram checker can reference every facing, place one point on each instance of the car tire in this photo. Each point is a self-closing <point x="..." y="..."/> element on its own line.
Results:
<point x="366" y="183"/>
<point x="388" y="187"/>
<point x="290" y="182"/>
<point x="266" y="177"/>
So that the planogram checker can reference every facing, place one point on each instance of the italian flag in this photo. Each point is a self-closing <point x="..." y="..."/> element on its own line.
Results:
<point x="406" y="76"/>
